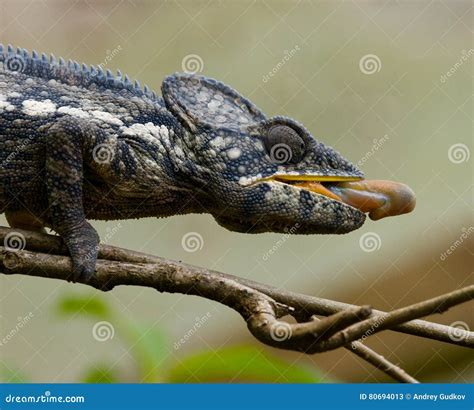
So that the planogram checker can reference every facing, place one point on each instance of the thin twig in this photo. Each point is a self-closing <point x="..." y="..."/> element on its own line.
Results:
<point x="382" y="363"/>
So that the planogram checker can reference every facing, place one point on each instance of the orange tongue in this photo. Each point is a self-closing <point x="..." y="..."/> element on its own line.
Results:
<point x="317" y="188"/>
<point x="378" y="198"/>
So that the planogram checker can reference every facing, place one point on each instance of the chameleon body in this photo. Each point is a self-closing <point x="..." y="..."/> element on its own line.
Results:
<point x="78" y="143"/>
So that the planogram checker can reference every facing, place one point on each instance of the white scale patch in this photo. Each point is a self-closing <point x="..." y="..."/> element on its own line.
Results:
<point x="148" y="130"/>
<point x="75" y="112"/>
<point x="100" y="115"/>
<point x="218" y="142"/>
<point x="244" y="181"/>
<point x="250" y="179"/>
<point x="269" y="195"/>
<point x="4" y="104"/>
<point x="38" y="108"/>
<point x="107" y="117"/>
<point x="234" y="153"/>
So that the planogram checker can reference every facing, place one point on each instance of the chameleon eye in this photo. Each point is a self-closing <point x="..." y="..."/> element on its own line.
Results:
<point x="284" y="145"/>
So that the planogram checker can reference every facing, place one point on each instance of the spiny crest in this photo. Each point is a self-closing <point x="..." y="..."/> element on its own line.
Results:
<point x="71" y="72"/>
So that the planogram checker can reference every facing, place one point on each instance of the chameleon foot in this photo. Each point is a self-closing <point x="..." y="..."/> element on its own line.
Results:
<point x="83" y="244"/>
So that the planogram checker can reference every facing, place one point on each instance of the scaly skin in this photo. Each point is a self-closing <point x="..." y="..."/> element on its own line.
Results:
<point x="77" y="143"/>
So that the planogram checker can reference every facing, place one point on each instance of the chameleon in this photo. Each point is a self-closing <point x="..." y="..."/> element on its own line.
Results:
<point x="79" y="143"/>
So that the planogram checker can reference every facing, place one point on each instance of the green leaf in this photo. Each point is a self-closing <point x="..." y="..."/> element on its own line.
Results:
<point x="101" y="373"/>
<point x="239" y="364"/>
<point x="87" y="305"/>
<point x="150" y="348"/>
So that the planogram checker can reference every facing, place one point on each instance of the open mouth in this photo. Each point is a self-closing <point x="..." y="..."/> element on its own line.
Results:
<point x="378" y="198"/>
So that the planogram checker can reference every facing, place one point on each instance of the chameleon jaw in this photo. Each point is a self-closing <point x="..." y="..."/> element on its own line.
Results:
<point x="378" y="198"/>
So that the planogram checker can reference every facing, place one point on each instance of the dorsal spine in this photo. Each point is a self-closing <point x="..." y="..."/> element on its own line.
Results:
<point x="71" y="73"/>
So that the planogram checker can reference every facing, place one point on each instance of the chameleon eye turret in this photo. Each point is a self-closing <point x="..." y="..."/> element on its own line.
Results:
<point x="284" y="145"/>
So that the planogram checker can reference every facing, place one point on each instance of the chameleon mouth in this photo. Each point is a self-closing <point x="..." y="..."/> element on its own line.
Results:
<point x="378" y="198"/>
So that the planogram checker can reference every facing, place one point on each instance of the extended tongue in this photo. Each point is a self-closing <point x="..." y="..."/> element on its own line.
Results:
<point x="377" y="197"/>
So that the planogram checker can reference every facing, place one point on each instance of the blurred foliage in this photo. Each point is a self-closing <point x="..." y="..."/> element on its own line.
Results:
<point x="150" y="347"/>
<point x="11" y="375"/>
<point x="240" y="363"/>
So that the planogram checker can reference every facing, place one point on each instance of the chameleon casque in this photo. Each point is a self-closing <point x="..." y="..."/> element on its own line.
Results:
<point x="79" y="143"/>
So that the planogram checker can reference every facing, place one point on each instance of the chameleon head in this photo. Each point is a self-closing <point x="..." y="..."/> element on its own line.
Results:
<point x="268" y="174"/>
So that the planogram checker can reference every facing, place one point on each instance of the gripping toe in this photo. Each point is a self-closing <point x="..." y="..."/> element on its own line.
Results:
<point x="83" y="244"/>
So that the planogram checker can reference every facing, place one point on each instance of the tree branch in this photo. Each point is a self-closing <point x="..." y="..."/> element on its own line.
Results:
<point x="307" y="305"/>
<point x="260" y="305"/>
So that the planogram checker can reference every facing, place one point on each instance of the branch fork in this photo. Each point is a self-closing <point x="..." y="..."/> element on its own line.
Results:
<point x="261" y="306"/>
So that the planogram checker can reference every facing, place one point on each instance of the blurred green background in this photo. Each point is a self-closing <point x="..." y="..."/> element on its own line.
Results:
<point x="388" y="84"/>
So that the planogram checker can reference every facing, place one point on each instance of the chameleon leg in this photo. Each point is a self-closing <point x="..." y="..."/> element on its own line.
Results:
<point x="65" y="144"/>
